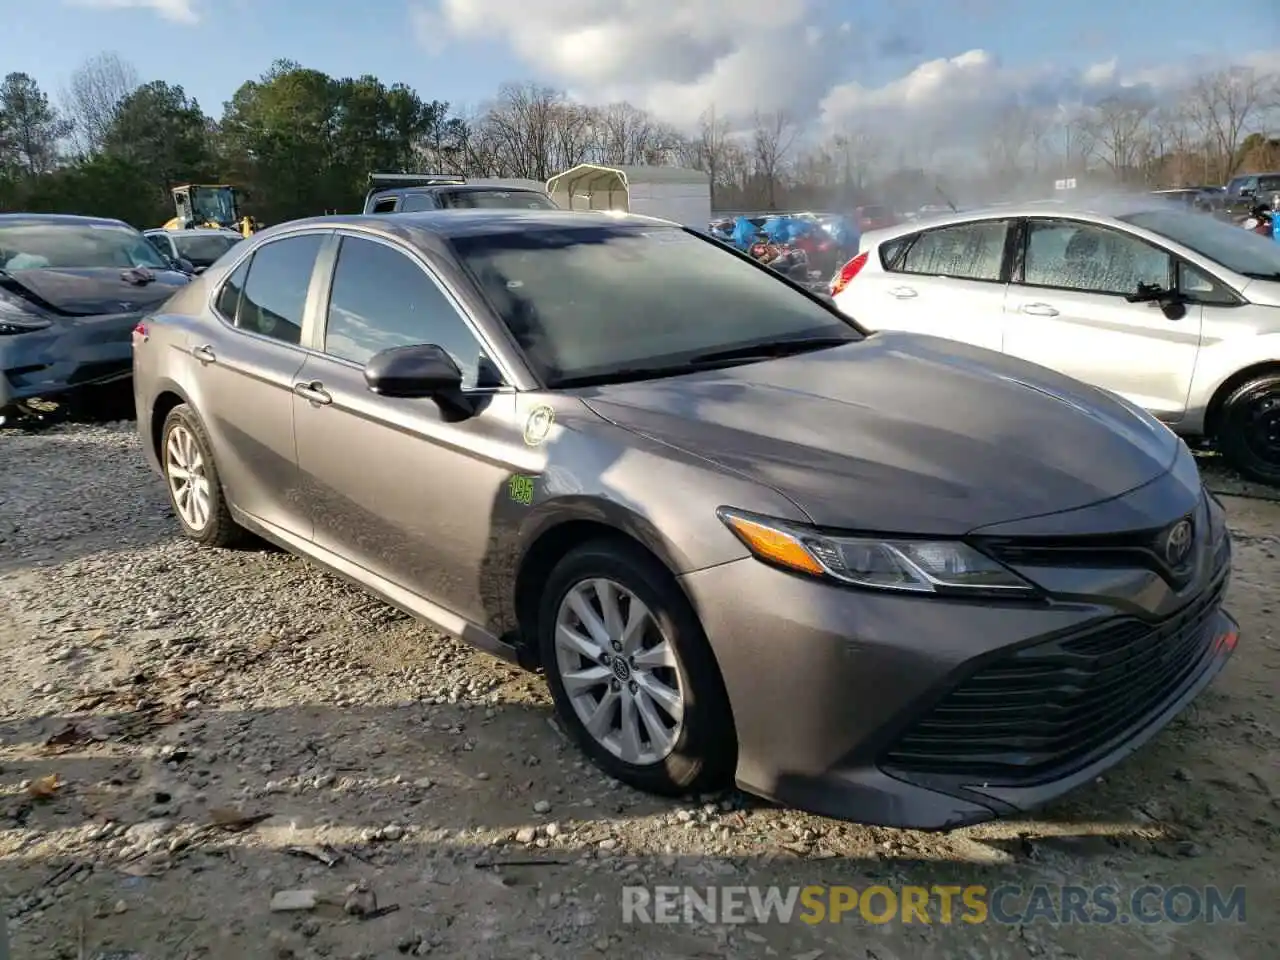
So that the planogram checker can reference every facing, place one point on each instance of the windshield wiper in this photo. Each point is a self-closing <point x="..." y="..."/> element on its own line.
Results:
<point x="768" y="349"/>
<point x="1257" y="275"/>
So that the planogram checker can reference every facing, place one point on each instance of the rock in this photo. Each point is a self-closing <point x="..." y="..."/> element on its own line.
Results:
<point x="360" y="900"/>
<point x="526" y="835"/>
<point x="287" y="901"/>
<point x="120" y="907"/>
<point x="552" y="830"/>
<point x="542" y="806"/>
<point x="392" y="832"/>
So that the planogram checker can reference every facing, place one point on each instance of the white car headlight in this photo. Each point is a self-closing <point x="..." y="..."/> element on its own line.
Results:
<point x="917" y="566"/>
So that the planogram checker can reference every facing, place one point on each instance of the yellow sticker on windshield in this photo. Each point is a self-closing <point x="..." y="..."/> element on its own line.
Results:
<point x="538" y="426"/>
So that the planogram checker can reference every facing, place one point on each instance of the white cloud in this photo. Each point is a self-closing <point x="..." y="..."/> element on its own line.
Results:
<point x="673" y="59"/>
<point x="740" y="56"/>
<point x="954" y="101"/>
<point x="178" y="11"/>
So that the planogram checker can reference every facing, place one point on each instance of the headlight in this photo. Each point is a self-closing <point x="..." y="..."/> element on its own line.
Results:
<point x="17" y="317"/>
<point x="917" y="566"/>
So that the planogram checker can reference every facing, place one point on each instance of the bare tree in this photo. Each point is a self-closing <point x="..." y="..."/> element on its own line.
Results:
<point x="626" y="134"/>
<point x="859" y="154"/>
<point x="711" y="148"/>
<point x="519" y="130"/>
<point x="93" y="97"/>
<point x="773" y="138"/>
<point x="1118" y="128"/>
<point x="1224" y="105"/>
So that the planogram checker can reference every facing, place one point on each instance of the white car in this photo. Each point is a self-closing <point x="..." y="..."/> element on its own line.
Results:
<point x="1177" y="312"/>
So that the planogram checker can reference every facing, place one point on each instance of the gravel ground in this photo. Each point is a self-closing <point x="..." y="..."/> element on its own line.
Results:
<point x="221" y="723"/>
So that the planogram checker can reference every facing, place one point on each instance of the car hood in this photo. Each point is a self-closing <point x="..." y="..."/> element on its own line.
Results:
<point x="1265" y="293"/>
<point x="90" y="291"/>
<point x="903" y="433"/>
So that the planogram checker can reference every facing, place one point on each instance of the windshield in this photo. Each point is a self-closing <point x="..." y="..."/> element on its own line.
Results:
<point x="213" y="204"/>
<point x="1242" y="251"/>
<point x="41" y="244"/>
<point x="202" y="251"/>
<point x="496" y="200"/>
<point x="594" y="301"/>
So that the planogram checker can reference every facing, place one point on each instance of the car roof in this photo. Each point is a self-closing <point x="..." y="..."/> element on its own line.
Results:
<point x="61" y="219"/>
<point x="1102" y="208"/>
<point x="192" y="232"/>
<point x="456" y="188"/>
<point x="462" y="223"/>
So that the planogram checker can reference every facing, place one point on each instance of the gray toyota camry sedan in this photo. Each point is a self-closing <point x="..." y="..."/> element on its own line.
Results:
<point x="886" y="577"/>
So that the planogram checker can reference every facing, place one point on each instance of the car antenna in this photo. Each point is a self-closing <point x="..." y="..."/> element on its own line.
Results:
<point x="937" y="186"/>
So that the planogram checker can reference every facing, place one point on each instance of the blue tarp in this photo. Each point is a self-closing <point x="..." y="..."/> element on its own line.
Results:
<point x="744" y="233"/>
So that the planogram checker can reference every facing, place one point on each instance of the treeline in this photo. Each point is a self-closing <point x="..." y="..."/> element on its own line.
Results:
<point x="299" y="142"/>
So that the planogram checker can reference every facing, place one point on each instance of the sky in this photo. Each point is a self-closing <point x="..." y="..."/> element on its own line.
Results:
<point x="831" y="63"/>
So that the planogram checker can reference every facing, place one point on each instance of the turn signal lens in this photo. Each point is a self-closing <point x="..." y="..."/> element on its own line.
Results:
<point x="773" y="545"/>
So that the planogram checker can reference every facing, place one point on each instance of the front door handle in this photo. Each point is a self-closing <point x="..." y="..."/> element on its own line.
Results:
<point x="204" y="353"/>
<point x="1039" y="310"/>
<point x="902" y="293"/>
<point x="313" y="391"/>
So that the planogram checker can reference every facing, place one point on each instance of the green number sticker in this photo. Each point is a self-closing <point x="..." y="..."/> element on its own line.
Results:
<point x="521" y="489"/>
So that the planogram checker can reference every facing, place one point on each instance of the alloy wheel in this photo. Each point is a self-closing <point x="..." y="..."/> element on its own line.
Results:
<point x="184" y="468"/>
<point x="619" y="671"/>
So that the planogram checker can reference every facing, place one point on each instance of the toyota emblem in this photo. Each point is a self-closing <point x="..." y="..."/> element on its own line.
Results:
<point x="1177" y="543"/>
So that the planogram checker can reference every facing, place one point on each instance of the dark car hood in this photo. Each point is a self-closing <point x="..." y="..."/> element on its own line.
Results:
<point x="902" y="433"/>
<point x="93" y="291"/>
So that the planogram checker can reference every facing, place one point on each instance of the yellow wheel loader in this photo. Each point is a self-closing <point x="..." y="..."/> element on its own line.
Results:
<point x="210" y="205"/>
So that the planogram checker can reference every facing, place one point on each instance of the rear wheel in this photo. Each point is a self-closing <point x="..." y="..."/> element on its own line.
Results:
<point x="632" y="674"/>
<point x="1249" y="430"/>
<point x="192" y="479"/>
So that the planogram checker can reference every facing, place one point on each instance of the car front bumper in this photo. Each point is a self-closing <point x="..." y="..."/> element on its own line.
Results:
<point x="74" y="352"/>
<point x="930" y="713"/>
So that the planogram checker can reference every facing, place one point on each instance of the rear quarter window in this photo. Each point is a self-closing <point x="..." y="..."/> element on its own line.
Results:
<point x="891" y="251"/>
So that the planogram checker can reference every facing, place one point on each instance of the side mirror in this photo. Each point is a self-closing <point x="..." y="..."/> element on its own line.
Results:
<point x="186" y="266"/>
<point x="421" y="370"/>
<point x="1148" y="293"/>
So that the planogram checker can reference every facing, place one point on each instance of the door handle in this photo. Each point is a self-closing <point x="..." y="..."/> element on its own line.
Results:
<point x="204" y="353"/>
<point x="902" y="293"/>
<point x="1039" y="310"/>
<point x="313" y="391"/>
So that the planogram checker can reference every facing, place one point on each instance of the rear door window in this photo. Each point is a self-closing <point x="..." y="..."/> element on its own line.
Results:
<point x="385" y="205"/>
<point x="965" y="251"/>
<point x="417" y="202"/>
<point x="275" y="293"/>
<point x="228" y="302"/>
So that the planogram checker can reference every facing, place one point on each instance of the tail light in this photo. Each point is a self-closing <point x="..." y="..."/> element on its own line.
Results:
<point x="141" y="333"/>
<point x="847" y="273"/>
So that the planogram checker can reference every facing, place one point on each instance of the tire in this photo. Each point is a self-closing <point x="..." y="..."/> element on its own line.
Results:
<point x="218" y="529"/>
<point x="703" y="755"/>
<point x="1250" y="415"/>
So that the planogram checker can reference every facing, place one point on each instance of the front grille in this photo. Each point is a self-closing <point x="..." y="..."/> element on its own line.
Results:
<point x="1043" y="710"/>
<point x="1140" y="549"/>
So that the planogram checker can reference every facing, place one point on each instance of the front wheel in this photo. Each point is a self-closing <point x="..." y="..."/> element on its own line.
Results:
<point x="632" y="674"/>
<point x="1249" y="431"/>
<point x="191" y="477"/>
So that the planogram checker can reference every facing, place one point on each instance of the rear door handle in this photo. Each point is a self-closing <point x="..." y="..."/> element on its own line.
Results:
<point x="902" y="293"/>
<point x="204" y="353"/>
<point x="313" y="391"/>
<point x="1039" y="310"/>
